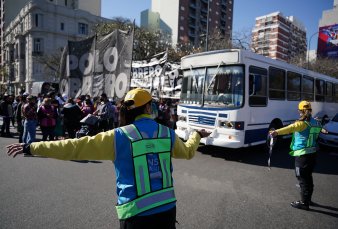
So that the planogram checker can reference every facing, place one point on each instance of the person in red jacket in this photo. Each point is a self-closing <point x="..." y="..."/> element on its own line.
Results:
<point x="47" y="116"/>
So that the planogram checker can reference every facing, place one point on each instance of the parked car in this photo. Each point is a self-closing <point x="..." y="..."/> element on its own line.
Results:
<point x="329" y="134"/>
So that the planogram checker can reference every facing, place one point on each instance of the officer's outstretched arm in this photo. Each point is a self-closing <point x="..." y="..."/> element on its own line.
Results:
<point x="186" y="150"/>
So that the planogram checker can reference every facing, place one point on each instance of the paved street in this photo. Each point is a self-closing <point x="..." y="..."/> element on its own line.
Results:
<point x="219" y="188"/>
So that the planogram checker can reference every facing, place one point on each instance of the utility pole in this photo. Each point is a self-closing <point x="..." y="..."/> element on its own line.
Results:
<point x="308" y="52"/>
<point x="207" y="35"/>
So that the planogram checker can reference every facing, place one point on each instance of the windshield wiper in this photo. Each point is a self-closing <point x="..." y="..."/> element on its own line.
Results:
<point x="194" y="78"/>
<point x="213" y="78"/>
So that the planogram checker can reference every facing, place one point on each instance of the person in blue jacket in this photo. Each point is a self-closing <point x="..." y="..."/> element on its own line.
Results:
<point x="142" y="152"/>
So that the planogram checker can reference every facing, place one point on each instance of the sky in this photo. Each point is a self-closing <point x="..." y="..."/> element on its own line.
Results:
<point x="308" y="12"/>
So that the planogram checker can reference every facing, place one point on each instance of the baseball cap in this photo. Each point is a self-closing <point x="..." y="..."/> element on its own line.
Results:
<point x="137" y="98"/>
<point x="304" y="105"/>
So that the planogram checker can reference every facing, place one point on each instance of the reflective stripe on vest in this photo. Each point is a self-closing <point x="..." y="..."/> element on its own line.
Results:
<point x="310" y="144"/>
<point x="146" y="202"/>
<point x="141" y="144"/>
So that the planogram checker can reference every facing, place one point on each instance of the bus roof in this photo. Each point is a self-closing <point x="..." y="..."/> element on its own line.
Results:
<point x="236" y="56"/>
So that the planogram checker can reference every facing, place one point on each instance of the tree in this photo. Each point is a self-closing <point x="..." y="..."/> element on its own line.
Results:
<point x="146" y="43"/>
<point x="326" y="66"/>
<point x="51" y="63"/>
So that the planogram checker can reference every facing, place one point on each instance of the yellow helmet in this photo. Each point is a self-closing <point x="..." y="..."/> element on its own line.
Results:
<point x="304" y="105"/>
<point x="137" y="98"/>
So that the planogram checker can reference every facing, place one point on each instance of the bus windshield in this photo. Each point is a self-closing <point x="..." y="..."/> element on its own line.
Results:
<point x="223" y="86"/>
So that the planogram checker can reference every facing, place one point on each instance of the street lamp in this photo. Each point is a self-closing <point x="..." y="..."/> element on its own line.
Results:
<point x="308" y="52"/>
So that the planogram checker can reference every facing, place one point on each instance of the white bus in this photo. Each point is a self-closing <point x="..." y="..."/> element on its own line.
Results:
<point x="238" y="96"/>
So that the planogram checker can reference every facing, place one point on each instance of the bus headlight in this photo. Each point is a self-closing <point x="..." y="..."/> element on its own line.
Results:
<point x="232" y="125"/>
<point x="182" y="118"/>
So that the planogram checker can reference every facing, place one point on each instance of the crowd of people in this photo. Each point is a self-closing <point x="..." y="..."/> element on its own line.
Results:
<point x="59" y="117"/>
<point x="142" y="151"/>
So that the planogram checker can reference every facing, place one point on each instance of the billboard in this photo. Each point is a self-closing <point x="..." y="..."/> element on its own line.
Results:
<point x="328" y="41"/>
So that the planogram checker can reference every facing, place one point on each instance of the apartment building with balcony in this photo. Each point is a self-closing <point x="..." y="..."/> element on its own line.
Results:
<point x="40" y="29"/>
<point x="186" y="20"/>
<point x="279" y="37"/>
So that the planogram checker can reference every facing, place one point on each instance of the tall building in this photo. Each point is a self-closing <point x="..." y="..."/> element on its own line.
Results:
<point x="279" y="37"/>
<point x="40" y="28"/>
<point x="328" y="33"/>
<point x="186" y="20"/>
<point x="2" y="22"/>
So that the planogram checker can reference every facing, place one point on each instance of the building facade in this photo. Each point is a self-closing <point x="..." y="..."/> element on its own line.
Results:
<point x="2" y="24"/>
<point x="40" y="30"/>
<point x="328" y="33"/>
<point x="279" y="37"/>
<point x="186" y="20"/>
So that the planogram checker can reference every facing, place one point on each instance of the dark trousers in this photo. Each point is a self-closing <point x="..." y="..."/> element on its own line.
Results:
<point x="71" y="131"/>
<point x="304" y="166"/>
<point x="111" y="123"/>
<point x="5" y="125"/>
<point x="47" y="132"/>
<point x="20" y="129"/>
<point x="163" y="220"/>
<point x="103" y="125"/>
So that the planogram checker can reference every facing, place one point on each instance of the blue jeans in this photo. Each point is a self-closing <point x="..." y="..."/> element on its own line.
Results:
<point x="29" y="131"/>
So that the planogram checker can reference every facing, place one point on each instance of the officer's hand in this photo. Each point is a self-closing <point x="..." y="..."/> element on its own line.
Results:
<point x="15" y="149"/>
<point x="203" y="133"/>
<point x="273" y="133"/>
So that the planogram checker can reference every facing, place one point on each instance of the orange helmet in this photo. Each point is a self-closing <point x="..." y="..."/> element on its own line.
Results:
<point x="304" y="105"/>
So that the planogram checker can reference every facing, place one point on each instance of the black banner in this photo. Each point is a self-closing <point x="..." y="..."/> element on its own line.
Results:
<point x="97" y="65"/>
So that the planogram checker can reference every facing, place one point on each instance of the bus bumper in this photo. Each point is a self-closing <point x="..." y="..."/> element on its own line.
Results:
<point x="229" y="140"/>
<point x="222" y="142"/>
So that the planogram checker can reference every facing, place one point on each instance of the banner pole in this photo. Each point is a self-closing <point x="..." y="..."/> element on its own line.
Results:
<point x="163" y="74"/>
<point x="132" y="54"/>
<point x="93" y="72"/>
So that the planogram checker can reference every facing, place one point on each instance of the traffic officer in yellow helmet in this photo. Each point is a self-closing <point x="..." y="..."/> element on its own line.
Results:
<point x="141" y="151"/>
<point x="303" y="148"/>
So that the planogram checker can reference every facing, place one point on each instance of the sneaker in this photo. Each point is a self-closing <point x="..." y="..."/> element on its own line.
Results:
<point x="300" y="205"/>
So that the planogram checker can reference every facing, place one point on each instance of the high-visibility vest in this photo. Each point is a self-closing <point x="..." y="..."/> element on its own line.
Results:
<point x="141" y="146"/>
<point x="305" y="142"/>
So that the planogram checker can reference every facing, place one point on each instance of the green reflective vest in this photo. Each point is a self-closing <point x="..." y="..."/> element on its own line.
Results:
<point x="301" y="145"/>
<point x="141" y="146"/>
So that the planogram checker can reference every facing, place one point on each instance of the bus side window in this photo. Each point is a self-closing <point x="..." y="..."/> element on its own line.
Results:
<point x="307" y="88"/>
<point x="320" y="84"/>
<point x="329" y="92"/>
<point x="257" y="86"/>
